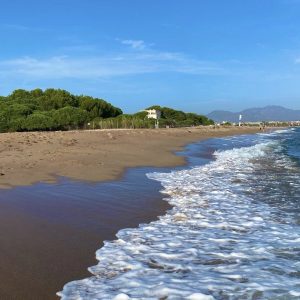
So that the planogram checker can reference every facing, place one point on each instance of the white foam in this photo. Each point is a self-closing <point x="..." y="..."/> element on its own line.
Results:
<point x="121" y="297"/>
<point x="295" y="293"/>
<point x="199" y="296"/>
<point x="215" y="243"/>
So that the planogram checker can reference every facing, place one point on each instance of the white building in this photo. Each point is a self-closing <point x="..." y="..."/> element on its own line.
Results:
<point x="153" y="114"/>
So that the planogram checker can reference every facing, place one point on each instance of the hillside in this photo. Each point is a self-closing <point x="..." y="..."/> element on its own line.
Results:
<point x="268" y="113"/>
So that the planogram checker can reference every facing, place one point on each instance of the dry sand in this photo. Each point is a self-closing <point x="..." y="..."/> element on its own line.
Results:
<point x="96" y="155"/>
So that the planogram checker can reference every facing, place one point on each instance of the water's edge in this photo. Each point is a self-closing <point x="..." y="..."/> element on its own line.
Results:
<point x="204" y="246"/>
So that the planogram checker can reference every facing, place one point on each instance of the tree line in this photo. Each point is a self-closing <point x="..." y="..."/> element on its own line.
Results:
<point x="52" y="109"/>
<point x="177" y="118"/>
<point x="56" y="109"/>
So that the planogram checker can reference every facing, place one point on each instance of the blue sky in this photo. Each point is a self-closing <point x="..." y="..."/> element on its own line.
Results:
<point x="194" y="55"/>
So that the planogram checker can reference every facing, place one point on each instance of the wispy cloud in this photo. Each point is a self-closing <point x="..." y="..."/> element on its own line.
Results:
<point x="135" y="44"/>
<point x="20" y="28"/>
<point x="15" y="27"/>
<point x="120" y="64"/>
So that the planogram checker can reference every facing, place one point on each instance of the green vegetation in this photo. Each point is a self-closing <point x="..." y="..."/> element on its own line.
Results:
<point x="169" y="117"/>
<point x="176" y="118"/>
<point x="55" y="109"/>
<point x="123" y="121"/>
<point x="227" y="123"/>
<point x="51" y="110"/>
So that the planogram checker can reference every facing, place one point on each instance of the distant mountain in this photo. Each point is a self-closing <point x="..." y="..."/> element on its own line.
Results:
<point x="268" y="113"/>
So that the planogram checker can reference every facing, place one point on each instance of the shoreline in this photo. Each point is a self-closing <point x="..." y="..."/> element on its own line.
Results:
<point x="58" y="227"/>
<point x="95" y="155"/>
<point x="49" y="233"/>
<point x="192" y="241"/>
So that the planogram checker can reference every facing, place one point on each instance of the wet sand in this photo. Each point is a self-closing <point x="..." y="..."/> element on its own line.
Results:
<point x="49" y="232"/>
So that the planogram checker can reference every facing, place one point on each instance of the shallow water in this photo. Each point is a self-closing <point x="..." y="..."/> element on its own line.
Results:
<point x="233" y="231"/>
<point x="49" y="232"/>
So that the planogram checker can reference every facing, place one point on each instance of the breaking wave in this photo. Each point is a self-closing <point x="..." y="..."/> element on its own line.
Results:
<point x="231" y="234"/>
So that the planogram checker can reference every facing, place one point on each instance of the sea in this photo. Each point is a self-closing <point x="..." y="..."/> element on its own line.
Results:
<point x="233" y="231"/>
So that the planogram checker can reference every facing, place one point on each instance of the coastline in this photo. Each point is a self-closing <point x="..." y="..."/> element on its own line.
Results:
<point x="59" y="226"/>
<point x="95" y="155"/>
<point x="221" y="210"/>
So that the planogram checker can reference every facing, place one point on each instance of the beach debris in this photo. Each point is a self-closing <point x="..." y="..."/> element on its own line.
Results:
<point x="110" y="136"/>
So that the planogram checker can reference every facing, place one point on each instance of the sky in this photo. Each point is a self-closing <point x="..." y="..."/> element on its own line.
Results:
<point x="193" y="55"/>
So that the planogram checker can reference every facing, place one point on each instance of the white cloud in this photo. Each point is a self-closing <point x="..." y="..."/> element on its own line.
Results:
<point x="121" y="64"/>
<point x="135" y="44"/>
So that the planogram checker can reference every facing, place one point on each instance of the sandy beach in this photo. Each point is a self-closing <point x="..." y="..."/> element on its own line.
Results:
<point x="97" y="155"/>
<point x="50" y="232"/>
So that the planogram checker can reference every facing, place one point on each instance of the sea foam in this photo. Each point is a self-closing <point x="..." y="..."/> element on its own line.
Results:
<point x="219" y="241"/>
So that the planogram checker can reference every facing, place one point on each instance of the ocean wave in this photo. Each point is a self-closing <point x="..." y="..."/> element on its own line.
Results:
<point x="217" y="242"/>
